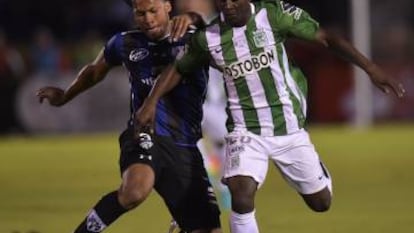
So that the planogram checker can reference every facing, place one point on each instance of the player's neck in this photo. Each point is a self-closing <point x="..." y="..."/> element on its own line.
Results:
<point x="167" y="32"/>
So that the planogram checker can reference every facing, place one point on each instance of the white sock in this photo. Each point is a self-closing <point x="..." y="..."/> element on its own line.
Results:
<point x="243" y="223"/>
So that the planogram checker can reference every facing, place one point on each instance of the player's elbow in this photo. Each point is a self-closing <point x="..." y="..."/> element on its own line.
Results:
<point x="329" y="38"/>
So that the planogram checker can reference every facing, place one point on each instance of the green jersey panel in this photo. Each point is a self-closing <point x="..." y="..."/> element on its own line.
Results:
<point x="196" y="55"/>
<point x="290" y="20"/>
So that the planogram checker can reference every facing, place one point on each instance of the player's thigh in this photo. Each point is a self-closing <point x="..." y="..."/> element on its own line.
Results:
<point x="301" y="167"/>
<point x="246" y="156"/>
<point x="242" y="185"/>
<point x="185" y="188"/>
<point x="132" y="153"/>
<point x="137" y="168"/>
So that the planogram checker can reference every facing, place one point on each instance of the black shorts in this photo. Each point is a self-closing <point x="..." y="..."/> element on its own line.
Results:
<point x="180" y="179"/>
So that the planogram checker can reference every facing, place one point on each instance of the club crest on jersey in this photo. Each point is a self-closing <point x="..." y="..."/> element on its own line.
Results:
<point x="145" y="141"/>
<point x="290" y="9"/>
<point x="138" y="54"/>
<point x="260" y="38"/>
<point x="249" y="66"/>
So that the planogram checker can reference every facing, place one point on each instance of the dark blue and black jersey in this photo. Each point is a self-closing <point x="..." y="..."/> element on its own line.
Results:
<point x="179" y="113"/>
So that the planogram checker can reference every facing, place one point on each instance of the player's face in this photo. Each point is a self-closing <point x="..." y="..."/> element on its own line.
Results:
<point x="152" y="17"/>
<point x="236" y="12"/>
<point x="204" y="7"/>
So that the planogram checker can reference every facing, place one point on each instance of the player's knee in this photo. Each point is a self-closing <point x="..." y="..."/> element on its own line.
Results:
<point x="319" y="202"/>
<point x="243" y="190"/>
<point x="131" y="197"/>
<point x="242" y="201"/>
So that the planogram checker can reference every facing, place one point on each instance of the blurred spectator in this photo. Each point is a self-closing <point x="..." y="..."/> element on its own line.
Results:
<point x="11" y="73"/>
<point x="86" y="49"/>
<point x="392" y="36"/>
<point x="45" y="53"/>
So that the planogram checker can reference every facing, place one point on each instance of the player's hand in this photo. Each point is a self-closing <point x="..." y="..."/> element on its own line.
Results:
<point x="54" y="95"/>
<point x="386" y="83"/>
<point x="181" y="23"/>
<point x="144" y="118"/>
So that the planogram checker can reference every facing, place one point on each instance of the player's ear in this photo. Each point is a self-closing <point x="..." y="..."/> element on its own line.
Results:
<point x="167" y="6"/>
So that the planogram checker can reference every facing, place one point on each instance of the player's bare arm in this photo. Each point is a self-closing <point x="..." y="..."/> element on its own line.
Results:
<point x="198" y="11"/>
<point x="88" y="77"/>
<point x="181" y="23"/>
<point x="167" y="80"/>
<point x="378" y="77"/>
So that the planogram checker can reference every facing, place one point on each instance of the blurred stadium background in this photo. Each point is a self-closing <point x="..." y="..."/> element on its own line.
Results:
<point x="55" y="163"/>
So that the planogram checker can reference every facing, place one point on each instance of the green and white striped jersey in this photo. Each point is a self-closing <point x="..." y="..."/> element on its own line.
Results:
<point x="266" y="94"/>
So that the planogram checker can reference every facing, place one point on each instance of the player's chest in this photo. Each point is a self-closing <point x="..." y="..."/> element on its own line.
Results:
<point x="244" y="50"/>
<point x="144" y="64"/>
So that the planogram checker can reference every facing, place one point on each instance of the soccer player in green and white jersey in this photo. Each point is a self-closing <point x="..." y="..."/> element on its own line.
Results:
<point x="266" y="99"/>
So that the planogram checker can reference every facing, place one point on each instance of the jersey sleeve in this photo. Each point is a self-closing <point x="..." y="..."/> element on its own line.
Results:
<point x="112" y="51"/>
<point x="195" y="57"/>
<point x="293" y="21"/>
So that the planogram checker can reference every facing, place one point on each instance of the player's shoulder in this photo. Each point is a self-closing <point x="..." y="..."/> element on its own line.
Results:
<point x="275" y="4"/>
<point x="125" y="40"/>
<point x="278" y="6"/>
<point x="282" y="12"/>
<point x="131" y="32"/>
<point x="211" y="30"/>
<point x="195" y="33"/>
<point x="134" y="35"/>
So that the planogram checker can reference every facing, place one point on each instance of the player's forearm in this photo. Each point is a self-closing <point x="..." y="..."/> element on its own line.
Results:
<point x="348" y="52"/>
<point x="168" y="79"/>
<point x="88" y="77"/>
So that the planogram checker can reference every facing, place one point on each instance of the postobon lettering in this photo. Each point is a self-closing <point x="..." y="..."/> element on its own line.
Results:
<point x="252" y="65"/>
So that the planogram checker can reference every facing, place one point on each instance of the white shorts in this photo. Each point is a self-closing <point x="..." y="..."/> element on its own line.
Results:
<point x="294" y="155"/>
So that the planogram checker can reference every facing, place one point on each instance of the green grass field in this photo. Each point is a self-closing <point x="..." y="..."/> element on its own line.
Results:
<point x="48" y="184"/>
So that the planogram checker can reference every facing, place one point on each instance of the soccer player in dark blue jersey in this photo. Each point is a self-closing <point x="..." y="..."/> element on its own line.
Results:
<point x="168" y="160"/>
